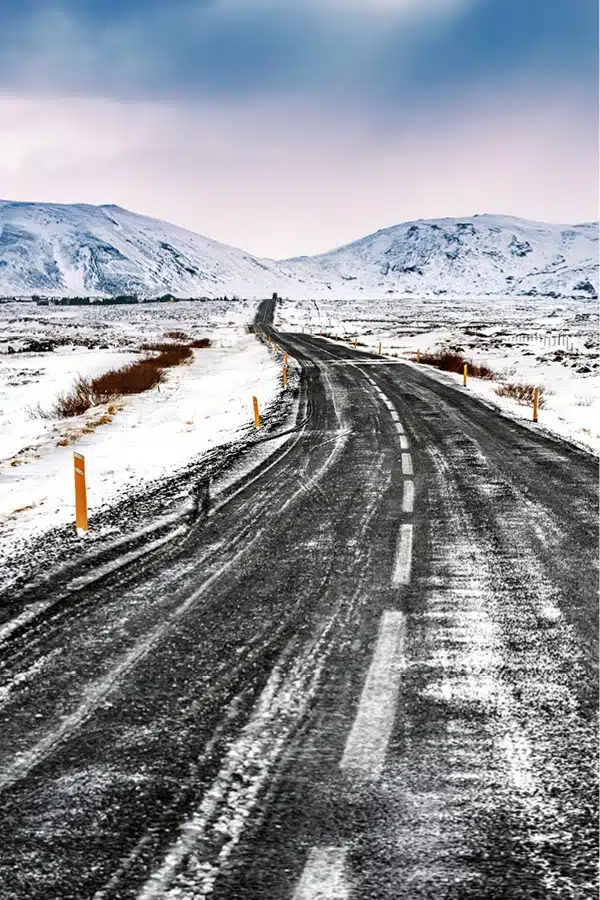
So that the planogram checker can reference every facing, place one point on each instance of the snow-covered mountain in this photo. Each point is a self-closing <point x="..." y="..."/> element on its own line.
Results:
<point x="55" y="249"/>
<point x="66" y="250"/>
<point x="481" y="255"/>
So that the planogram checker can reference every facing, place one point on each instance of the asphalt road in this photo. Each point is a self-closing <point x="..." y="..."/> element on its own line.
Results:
<point x="370" y="672"/>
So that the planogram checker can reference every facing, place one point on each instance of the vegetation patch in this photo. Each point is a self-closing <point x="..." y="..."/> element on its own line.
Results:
<point x="454" y="362"/>
<point x="134" y="378"/>
<point x="522" y="393"/>
<point x="176" y="335"/>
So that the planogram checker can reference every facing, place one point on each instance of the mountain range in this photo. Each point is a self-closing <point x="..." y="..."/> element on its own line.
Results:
<point x="73" y="250"/>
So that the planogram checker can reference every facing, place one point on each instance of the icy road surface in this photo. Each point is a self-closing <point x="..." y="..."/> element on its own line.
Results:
<point x="368" y="673"/>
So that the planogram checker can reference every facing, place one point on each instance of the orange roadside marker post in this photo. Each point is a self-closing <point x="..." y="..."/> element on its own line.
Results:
<point x="465" y="376"/>
<point x="536" y="403"/>
<point x="380" y="348"/>
<point x="285" y="376"/>
<point x="355" y="342"/>
<point x="285" y="359"/>
<point x="81" y="516"/>
<point x="256" y="412"/>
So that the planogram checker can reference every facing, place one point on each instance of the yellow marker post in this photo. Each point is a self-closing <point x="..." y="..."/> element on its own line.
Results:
<point x="256" y="412"/>
<point x="355" y="342"/>
<point x="418" y="356"/>
<point x="465" y="375"/>
<point x="285" y="359"/>
<point x="81" y="517"/>
<point x="380" y="348"/>
<point x="269" y="340"/>
<point x="275" y="347"/>
<point x="285" y="376"/>
<point x="536" y="403"/>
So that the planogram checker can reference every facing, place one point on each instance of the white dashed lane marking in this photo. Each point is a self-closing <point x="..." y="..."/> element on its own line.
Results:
<point x="323" y="877"/>
<point x="407" y="466"/>
<point x="408" y="497"/>
<point x="364" y="754"/>
<point x="403" y="555"/>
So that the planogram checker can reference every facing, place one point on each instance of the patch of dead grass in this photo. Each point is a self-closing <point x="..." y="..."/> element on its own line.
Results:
<point x="134" y="378"/>
<point x="522" y="393"/>
<point x="448" y="361"/>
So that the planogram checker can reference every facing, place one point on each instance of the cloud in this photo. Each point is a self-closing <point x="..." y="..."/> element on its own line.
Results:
<point x="286" y="179"/>
<point x="364" y="51"/>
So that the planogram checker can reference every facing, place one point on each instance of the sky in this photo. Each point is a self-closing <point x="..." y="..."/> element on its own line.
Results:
<point x="289" y="127"/>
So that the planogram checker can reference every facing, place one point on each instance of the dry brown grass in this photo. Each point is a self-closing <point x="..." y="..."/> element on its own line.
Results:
<point x="135" y="378"/>
<point x="454" y="362"/>
<point x="522" y="393"/>
<point x="176" y="335"/>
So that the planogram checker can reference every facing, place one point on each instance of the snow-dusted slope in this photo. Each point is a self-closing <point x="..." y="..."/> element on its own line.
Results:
<point x="65" y="250"/>
<point x="79" y="249"/>
<point x="484" y="254"/>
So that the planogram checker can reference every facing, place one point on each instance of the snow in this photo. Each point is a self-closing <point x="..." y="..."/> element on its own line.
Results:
<point x="54" y="249"/>
<point x="530" y="340"/>
<point x="202" y="405"/>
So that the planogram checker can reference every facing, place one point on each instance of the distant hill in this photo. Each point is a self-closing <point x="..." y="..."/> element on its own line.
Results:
<point x="68" y="250"/>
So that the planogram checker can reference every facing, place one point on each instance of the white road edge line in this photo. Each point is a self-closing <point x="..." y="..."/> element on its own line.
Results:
<point x="366" y="747"/>
<point x="403" y="556"/>
<point x="324" y="875"/>
<point x="408" y="497"/>
<point x="407" y="466"/>
<point x="403" y="442"/>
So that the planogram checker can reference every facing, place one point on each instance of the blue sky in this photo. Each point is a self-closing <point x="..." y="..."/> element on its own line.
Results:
<point x="354" y="113"/>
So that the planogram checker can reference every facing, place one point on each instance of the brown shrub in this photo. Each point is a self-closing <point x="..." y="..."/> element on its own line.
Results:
<point x="134" y="378"/>
<point x="454" y="362"/>
<point x="75" y="401"/>
<point x="522" y="393"/>
<point x="176" y="335"/>
<point x="201" y="343"/>
<point x="168" y="354"/>
<point x="131" y="379"/>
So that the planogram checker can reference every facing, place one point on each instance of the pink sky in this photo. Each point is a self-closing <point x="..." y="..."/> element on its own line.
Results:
<point x="282" y="180"/>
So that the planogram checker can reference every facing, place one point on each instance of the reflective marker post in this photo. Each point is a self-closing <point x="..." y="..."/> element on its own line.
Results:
<point x="256" y="412"/>
<point x="81" y="517"/>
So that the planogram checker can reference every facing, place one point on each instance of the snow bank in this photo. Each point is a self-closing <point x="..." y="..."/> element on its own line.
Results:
<point x="202" y="405"/>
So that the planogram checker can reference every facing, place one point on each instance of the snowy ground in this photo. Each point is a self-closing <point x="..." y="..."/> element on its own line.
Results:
<point x="537" y="341"/>
<point x="202" y="405"/>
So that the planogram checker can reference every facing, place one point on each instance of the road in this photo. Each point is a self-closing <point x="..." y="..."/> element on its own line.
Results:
<point x="369" y="672"/>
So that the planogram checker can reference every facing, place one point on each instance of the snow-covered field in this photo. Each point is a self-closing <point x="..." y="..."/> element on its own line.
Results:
<point x="550" y="344"/>
<point x="201" y="405"/>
